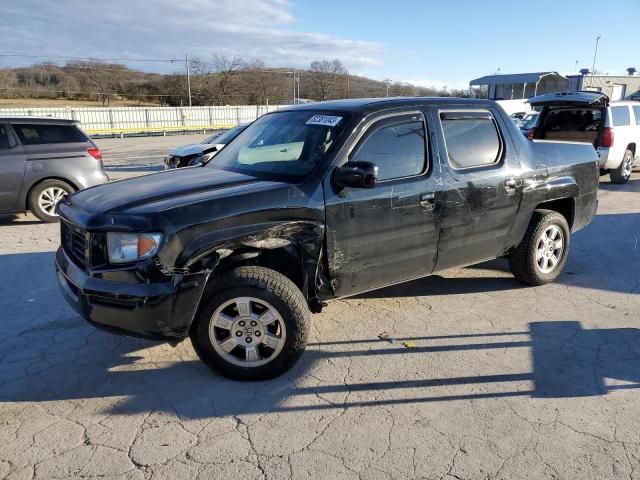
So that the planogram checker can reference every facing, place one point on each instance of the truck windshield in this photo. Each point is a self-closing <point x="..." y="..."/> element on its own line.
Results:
<point x="283" y="144"/>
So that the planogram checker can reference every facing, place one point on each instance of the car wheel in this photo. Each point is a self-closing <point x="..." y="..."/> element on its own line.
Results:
<point x="542" y="254"/>
<point x="253" y="325"/>
<point x="622" y="174"/>
<point x="44" y="197"/>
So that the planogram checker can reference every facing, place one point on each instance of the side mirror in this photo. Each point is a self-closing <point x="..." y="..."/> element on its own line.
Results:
<point x="357" y="175"/>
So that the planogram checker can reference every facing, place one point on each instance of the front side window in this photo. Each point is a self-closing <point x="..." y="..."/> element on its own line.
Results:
<point x="283" y="143"/>
<point x="620" y="116"/>
<point x="32" y="134"/>
<point x="471" y="138"/>
<point x="397" y="148"/>
<point x="636" y="112"/>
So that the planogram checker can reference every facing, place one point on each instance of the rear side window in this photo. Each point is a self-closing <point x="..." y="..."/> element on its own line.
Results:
<point x="396" y="146"/>
<point x="32" y="134"/>
<point x="620" y="116"/>
<point x="636" y="112"/>
<point x="5" y="142"/>
<point x="471" y="138"/>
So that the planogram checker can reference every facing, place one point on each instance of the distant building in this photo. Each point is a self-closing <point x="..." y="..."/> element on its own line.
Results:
<point x="616" y="87"/>
<point x="521" y="85"/>
<point x="526" y="85"/>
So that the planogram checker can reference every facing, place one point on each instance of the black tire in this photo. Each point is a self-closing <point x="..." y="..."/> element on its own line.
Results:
<point x="262" y="284"/>
<point x="523" y="260"/>
<point x="41" y="189"/>
<point x="621" y="175"/>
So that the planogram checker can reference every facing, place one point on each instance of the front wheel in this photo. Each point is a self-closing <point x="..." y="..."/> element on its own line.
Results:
<point x="622" y="174"/>
<point x="45" y="196"/>
<point x="542" y="254"/>
<point x="253" y="326"/>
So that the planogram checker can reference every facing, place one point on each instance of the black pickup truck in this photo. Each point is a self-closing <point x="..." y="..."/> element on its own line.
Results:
<point x="316" y="202"/>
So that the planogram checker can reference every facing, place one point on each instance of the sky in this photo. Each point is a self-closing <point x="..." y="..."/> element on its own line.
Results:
<point x="428" y="43"/>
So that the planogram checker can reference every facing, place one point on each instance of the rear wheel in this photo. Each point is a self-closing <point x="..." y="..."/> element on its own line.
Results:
<point x="541" y="255"/>
<point x="253" y="326"/>
<point x="45" y="196"/>
<point x="622" y="174"/>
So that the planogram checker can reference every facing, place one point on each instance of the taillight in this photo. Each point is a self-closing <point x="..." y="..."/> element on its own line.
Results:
<point x="607" y="138"/>
<point x="95" y="153"/>
<point x="532" y="132"/>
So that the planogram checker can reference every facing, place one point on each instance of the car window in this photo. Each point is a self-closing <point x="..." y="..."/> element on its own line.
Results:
<point x="225" y="137"/>
<point x="636" y="112"/>
<point x="620" y="116"/>
<point x="5" y="142"/>
<point x="32" y="134"/>
<point x="283" y="144"/>
<point x="471" y="138"/>
<point x="398" y="149"/>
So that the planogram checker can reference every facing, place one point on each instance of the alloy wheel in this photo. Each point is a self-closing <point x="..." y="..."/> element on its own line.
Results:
<point x="549" y="249"/>
<point x="247" y="332"/>
<point x="49" y="198"/>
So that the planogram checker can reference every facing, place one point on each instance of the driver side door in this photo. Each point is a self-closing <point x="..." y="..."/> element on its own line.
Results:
<point x="386" y="234"/>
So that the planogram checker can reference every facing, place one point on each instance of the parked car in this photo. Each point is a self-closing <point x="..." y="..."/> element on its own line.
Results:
<point x="612" y="128"/>
<point x="316" y="202"/>
<point x="529" y="121"/>
<point x="41" y="161"/>
<point x="194" y="154"/>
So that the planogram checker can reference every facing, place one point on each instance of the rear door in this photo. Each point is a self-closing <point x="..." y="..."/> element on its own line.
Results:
<point x="389" y="233"/>
<point x="481" y="184"/>
<point x="12" y="166"/>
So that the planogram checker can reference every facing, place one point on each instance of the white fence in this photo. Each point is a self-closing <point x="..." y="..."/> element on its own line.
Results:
<point x="122" y="120"/>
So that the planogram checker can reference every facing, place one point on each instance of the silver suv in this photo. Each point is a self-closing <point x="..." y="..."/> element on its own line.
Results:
<point x="41" y="161"/>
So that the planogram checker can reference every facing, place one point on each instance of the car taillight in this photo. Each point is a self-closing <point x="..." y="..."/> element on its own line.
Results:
<point x="95" y="153"/>
<point x="532" y="132"/>
<point x="607" y="138"/>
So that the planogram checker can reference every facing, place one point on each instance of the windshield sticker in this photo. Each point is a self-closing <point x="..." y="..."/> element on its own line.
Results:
<point x="325" y="120"/>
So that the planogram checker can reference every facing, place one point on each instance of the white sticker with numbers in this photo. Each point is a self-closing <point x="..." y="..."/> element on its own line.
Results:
<point x="325" y="120"/>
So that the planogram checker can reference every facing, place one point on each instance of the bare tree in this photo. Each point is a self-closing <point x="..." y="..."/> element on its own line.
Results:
<point x="258" y="83"/>
<point x="226" y="71"/>
<point x="328" y="78"/>
<point x="100" y="77"/>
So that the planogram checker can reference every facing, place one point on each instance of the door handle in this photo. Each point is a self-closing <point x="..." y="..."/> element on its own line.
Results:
<point x="427" y="201"/>
<point x="511" y="184"/>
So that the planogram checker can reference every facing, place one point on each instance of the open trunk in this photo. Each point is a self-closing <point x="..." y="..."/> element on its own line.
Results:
<point x="571" y="116"/>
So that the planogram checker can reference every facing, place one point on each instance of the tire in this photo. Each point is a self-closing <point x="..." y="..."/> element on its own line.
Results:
<point x="622" y="174"/>
<point x="246" y="294"/>
<point x="44" y="197"/>
<point x="526" y="263"/>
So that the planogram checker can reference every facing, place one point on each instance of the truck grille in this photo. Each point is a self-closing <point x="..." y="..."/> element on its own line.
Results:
<point x="75" y="242"/>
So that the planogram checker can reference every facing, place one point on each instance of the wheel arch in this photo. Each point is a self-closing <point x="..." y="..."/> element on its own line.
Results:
<point x="564" y="206"/>
<point x="293" y="249"/>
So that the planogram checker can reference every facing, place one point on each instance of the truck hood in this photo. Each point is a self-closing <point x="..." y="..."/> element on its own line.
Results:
<point x="196" y="148"/>
<point x="159" y="188"/>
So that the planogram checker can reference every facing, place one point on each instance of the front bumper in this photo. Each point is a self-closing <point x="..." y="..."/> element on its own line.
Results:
<point x="160" y="311"/>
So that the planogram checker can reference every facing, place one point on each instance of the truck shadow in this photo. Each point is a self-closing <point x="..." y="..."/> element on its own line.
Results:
<point x="568" y="361"/>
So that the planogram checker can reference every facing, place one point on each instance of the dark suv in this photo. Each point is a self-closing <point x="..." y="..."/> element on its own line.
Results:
<point x="316" y="202"/>
<point x="41" y="161"/>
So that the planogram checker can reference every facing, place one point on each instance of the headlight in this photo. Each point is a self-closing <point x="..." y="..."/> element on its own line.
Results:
<point x="129" y="247"/>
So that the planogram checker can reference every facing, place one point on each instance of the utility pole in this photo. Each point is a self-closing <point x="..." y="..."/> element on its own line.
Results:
<point x="388" y="82"/>
<point x="348" y="85"/>
<point x="186" y="61"/>
<point x="298" y="85"/>
<point x="294" y="86"/>
<point x="595" y="54"/>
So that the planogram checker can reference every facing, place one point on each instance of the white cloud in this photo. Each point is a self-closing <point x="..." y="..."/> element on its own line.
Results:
<point x="170" y="28"/>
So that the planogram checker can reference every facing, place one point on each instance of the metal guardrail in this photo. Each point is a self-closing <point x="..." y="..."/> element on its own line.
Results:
<point x="97" y="121"/>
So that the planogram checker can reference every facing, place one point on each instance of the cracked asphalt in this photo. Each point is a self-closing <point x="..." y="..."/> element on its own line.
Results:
<point x="504" y="382"/>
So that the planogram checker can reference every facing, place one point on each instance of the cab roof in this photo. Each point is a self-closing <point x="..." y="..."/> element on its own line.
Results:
<point x="370" y="104"/>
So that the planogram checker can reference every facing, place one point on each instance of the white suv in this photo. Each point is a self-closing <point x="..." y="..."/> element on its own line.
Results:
<point x="612" y="128"/>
